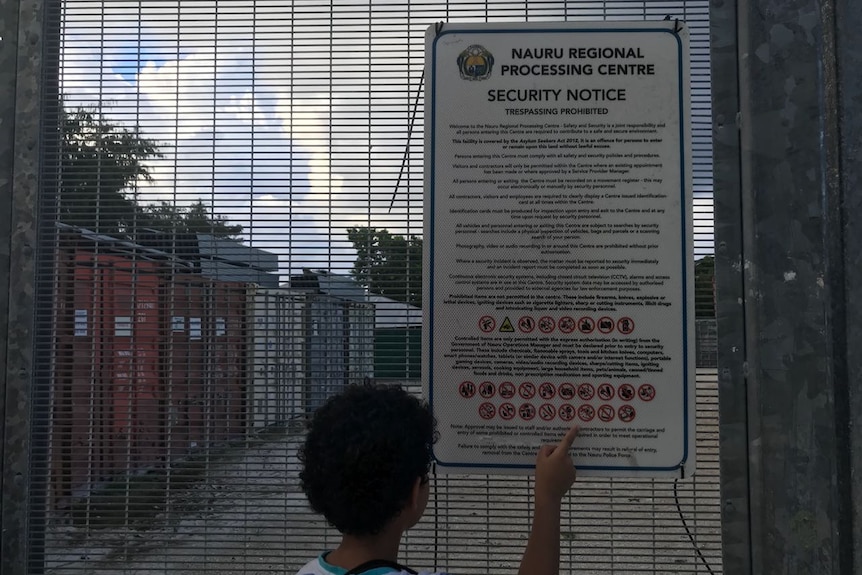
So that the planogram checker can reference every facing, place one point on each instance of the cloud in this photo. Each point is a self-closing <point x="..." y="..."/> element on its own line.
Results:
<point x="290" y="119"/>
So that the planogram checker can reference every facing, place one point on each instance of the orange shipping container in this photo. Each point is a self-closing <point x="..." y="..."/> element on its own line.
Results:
<point x="150" y="365"/>
<point x="227" y="346"/>
<point x="184" y="364"/>
<point x="130" y="298"/>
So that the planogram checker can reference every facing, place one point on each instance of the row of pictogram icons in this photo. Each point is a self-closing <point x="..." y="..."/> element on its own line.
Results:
<point x="567" y="412"/>
<point x="547" y="390"/>
<point x="565" y="325"/>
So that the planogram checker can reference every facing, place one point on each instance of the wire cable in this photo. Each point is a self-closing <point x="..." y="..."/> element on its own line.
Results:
<point x="409" y="138"/>
<point x="685" y="525"/>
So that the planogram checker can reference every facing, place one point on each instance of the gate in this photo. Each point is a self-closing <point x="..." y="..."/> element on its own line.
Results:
<point x="220" y="183"/>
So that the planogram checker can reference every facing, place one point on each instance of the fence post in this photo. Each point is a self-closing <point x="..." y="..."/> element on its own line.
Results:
<point x="848" y="51"/>
<point x="787" y="133"/>
<point x="20" y="105"/>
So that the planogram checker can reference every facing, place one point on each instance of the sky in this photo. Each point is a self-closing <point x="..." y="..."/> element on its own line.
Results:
<point x="297" y="118"/>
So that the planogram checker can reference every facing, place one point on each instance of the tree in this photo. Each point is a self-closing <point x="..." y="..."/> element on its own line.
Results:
<point x="196" y="218"/>
<point x="100" y="162"/>
<point x="704" y="287"/>
<point x="388" y="265"/>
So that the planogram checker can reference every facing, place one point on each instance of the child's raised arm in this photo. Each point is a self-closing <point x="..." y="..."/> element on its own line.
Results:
<point x="555" y="474"/>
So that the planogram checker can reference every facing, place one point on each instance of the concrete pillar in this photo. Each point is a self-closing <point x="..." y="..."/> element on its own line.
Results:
<point x="787" y="130"/>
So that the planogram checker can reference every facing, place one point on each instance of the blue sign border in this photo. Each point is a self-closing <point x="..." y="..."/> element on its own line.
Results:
<point x="685" y="231"/>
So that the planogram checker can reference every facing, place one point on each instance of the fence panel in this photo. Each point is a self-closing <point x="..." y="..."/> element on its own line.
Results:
<point x="238" y="236"/>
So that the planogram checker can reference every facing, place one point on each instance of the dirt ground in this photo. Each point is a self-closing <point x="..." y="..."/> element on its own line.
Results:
<point x="246" y="515"/>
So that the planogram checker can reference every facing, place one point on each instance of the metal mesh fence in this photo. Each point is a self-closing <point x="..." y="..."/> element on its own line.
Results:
<point x="232" y="221"/>
<point x="239" y="509"/>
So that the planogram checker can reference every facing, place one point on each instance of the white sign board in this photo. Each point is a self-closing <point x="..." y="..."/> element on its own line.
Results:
<point x="559" y="246"/>
<point x="81" y="325"/>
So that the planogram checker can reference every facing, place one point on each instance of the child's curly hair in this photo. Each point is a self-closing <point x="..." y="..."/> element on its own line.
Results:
<point x="364" y="451"/>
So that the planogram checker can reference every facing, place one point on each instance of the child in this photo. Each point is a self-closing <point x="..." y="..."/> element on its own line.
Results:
<point x="365" y="468"/>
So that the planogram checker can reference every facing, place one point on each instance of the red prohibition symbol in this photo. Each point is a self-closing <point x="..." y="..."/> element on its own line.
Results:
<point x="586" y="413"/>
<point x="606" y="413"/>
<point x="507" y="411"/>
<point x="586" y="325"/>
<point x="527" y="390"/>
<point x="606" y="391"/>
<point x="467" y="389"/>
<point x="626" y="392"/>
<point x="625" y="326"/>
<point x="646" y="392"/>
<point x="487" y="411"/>
<point x="547" y="412"/>
<point x="487" y="389"/>
<point x="527" y="412"/>
<point x="567" y="324"/>
<point x="586" y="391"/>
<point x="487" y="323"/>
<point x="626" y="413"/>
<point x="507" y="390"/>
<point x="567" y="391"/>
<point x="567" y="412"/>
<point x="547" y="390"/>
<point x="606" y="325"/>
<point x="547" y="324"/>
<point x="526" y="324"/>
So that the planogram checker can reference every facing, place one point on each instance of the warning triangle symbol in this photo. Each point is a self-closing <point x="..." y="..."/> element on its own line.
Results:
<point x="507" y="326"/>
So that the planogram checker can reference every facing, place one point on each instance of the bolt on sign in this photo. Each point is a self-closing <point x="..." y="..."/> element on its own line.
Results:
<point x="559" y="245"/>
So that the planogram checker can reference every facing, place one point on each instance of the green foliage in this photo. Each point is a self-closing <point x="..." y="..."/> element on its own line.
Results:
<point x="388" y="265"/>
<point x="704" y="300"/>
<point x="391" y="265"/>
<point x="100" y="162"/>
<point x="193" y="219"/>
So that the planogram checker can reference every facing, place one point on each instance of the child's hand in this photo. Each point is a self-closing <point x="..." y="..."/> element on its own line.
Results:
<point x="555" y="471"/>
